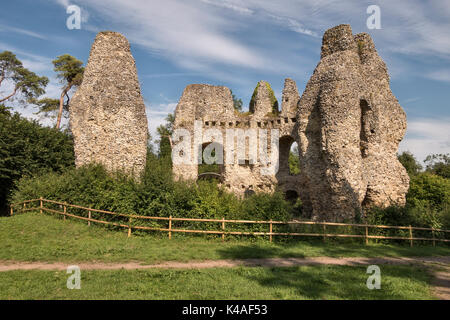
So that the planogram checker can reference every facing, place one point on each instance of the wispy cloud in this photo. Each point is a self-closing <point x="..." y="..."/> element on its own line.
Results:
<point x="230" y="5"/>
<point x="26" y="32"/>
<point x="426" y="136"/>
<point x="156" y="115"/>
<point x="440" y="75"/>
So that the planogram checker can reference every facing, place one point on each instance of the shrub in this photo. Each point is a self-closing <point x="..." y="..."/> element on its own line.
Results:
<point x="27" y="148"/>
<point x="155" y="195"/>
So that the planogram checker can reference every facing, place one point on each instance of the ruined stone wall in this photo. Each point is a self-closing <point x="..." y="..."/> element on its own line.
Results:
<point x="347" y="124"/>
<point x="350" y="128"/>
<point x="213" y="107"/>
<point x="107" y="113"/>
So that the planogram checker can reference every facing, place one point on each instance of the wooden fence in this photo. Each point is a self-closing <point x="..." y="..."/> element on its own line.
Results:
<point x="26" y="206"/>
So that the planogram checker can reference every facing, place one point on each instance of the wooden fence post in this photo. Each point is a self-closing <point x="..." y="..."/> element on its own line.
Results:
<point x="324" y="226"/>
<point x="89" y="216"/>
<point x="129" y="226"/>
<point x="270" y="231"/>
<point x="434" y="241"/>
<point x="170" y="227"/>
<point x="41" y="204"/>
<point x="410" y="236"/>
<point x="367" y="235"/>
<point x="223" y="229"/>
<point x="24" y="205"/>
<point x="65" y="211"/>
<point x="11" y="210"/>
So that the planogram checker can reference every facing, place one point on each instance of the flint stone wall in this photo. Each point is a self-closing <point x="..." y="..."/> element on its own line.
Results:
<point x="107" y="113"/>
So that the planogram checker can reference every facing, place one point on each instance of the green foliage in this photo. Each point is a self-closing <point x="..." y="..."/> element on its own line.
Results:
<point x="273" y="99"/>
<point x="410" y="163"/>
<point x="429" y="190"/>
<point x="427" y="205"/>
<point x="156" y="194"/>
<point x="70" y="73"/>
<point x="47" y="106"/>
<point x="237" y="103"/>
<point x="165" y="131"/>
<point x="69" y="69"/>
<point x="439" y="164"/>
<point x="294" y="161"/>
<point x="27" y="84"/>
<point x="27" y="148"/>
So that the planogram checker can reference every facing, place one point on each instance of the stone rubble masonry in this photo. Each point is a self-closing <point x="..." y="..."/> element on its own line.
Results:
<point x="107" y="112"/>
<point x="347" y="124"/>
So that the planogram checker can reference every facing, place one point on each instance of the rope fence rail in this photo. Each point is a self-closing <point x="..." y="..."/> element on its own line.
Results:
<point x="26" y="206"/>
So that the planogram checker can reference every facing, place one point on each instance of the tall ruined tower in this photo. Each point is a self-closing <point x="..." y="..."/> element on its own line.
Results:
<point x="107" y="113"/>
<point x="350" y="126"/>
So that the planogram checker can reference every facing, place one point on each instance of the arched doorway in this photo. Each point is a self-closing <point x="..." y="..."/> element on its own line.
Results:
<point x="291" y="196"/>
<point x="289" y="156"/>
<point x="211" y="167"/>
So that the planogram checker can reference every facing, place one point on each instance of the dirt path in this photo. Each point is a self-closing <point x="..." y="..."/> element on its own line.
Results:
<point x="269" y="262"/>
<point x="438" y="266"/>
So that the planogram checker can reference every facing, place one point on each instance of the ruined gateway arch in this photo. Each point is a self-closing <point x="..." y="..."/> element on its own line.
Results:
<point x="347" y="125"/>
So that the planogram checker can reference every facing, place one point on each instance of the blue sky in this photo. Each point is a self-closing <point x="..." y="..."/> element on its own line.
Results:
<point x="237" y="43"/>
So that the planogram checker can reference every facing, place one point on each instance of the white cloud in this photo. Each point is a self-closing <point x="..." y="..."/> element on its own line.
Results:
<point x="440" y="75"/>
<point x="26" y="32"/>
<point x="425" y="136"/>
<point x="177" y="29"/>
<point x="230" y="5"/>
<point x="156" y="115"/>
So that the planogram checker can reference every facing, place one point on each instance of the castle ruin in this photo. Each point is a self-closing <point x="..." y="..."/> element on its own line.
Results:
<point x="347" y="125"/>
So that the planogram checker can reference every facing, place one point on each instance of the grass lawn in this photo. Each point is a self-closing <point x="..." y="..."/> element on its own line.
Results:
<point x="316" y="282"/>
<point x="36" y="237"/>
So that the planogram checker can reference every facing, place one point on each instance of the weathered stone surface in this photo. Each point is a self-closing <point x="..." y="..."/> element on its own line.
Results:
<point x="107" y="113"/>
<point x="290" y="98"/>
<point x="350" y="125"/>
<point x="263" y="101"/>
<point x="212" y="106"/>
<point x="347" y="124"/>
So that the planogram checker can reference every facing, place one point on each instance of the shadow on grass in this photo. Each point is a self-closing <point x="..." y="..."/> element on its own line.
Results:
<point x="345" y="282"/>
<point x="330" y="249"/>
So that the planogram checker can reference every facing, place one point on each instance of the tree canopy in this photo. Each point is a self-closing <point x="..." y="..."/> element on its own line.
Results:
<point x="165" y="131"/>
<point x="410" y="163"/>
<point x="70" y="72"/>
<point x="27" y="148"/>
<point x="27" y="85"/>
<point x="438" y="164"/>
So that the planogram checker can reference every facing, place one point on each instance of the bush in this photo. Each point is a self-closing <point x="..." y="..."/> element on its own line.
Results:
<point x="27" y="148"/>
<point x="427" y="205"/>
<point x="155" y="195"/>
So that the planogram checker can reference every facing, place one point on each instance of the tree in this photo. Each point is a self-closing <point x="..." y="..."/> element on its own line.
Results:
<point x="164" y="132"/>
<point x="237" y="103"/>
<point x="70" y="71"/>
<point x="294" y="161"/>
<point x="438" y="164"/>
<point x="27" y="148"/>
<point x="410" y="163"/>
<point x="429" y="190"/>
<point x="26" y="83"/>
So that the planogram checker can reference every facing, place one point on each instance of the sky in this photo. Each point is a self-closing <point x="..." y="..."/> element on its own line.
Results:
<point x="237" y="43"/>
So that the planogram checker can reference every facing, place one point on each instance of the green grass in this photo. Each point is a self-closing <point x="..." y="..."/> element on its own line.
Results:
<point x="318" y="282"/>
<point x="35" y="237"/>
